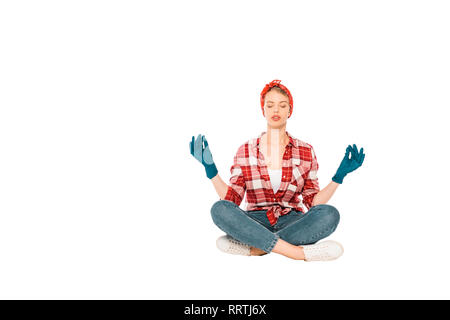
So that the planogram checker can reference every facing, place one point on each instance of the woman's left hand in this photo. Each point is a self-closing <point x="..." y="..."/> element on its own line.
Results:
<point x="348" y="165"/>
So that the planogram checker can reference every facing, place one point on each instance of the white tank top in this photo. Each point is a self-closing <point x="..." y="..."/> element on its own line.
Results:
<point x="275" y="178"/>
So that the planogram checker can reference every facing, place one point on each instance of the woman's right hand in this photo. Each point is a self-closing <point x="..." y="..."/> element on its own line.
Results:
<point x="203" y="155"/>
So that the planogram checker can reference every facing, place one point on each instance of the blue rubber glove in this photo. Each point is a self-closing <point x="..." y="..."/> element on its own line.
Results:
<point x="348" y="165"/>
<point x="203" y="155"/>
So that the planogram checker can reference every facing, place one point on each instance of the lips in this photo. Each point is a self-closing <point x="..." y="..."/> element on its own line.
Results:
<point x="275" y="118"/>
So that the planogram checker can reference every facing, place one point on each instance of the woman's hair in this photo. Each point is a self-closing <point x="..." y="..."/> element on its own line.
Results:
<point x="279" y="90"/>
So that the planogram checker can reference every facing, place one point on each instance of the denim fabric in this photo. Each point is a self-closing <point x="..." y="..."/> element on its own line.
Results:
<point x="253" y="227"/>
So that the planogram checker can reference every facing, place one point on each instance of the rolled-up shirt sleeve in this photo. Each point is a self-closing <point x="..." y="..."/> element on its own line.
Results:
<point x="311" y="184"/>
<point x="236" y="187"/>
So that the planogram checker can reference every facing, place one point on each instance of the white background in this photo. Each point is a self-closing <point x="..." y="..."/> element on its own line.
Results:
<point x="101" y="199"/>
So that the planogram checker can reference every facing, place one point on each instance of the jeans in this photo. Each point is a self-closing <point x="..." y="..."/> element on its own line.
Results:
<point x="253" y="227"/>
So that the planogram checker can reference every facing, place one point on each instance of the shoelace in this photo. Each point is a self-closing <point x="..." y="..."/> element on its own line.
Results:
<point x="237" y="247"/>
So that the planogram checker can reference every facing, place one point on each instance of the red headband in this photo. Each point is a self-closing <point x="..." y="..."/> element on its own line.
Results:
<point x="276" y="83"/>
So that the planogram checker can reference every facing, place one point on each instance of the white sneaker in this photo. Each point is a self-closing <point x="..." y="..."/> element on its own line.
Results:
<point x="230" y="245"/>
<point x="323" y="251"/>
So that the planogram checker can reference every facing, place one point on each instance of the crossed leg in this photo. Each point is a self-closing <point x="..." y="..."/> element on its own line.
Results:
<point x="319" y="222"/>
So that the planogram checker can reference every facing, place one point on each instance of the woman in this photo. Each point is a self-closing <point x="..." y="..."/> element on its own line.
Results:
<point x="273" y="170"/>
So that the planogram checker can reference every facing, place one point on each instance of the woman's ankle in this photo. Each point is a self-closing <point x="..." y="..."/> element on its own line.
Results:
<point x="301" y="254"/>
<point x="257" y="252"/>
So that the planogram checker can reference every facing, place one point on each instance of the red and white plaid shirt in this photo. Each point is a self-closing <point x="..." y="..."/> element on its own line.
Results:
<point x="299" y="177"/>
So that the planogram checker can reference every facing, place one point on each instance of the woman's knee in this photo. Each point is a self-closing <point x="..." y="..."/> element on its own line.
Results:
<point x="329" y="215"/>
<point x="220" y="211"/>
